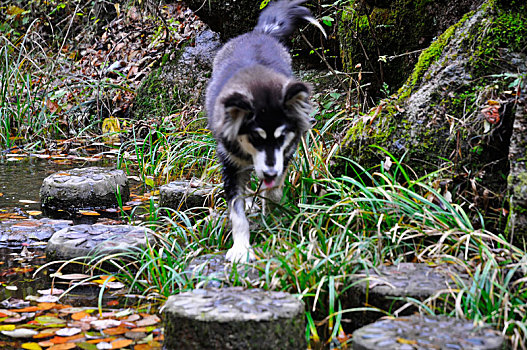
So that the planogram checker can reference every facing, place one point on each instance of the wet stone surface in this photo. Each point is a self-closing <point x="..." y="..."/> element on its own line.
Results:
<point x="32" y="231"/>
<point x="183" y="194"/>
<point x="234" y="318"/>
<point x="213" y="271"/>
<point x="426" y="332"/>
<point x="83" y="188"/>
<point x="379" y="287"/>
<point x="91" y="240"/>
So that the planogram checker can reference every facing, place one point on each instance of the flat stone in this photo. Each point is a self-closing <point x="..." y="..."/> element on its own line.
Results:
<point x="214" y="271"/>
<point x="84" y="188"/>
<point x="184" y="194"/>
<point x="381" y="287"/>
<point x="426" y="332"/>
<point x="234" y="318"/>
<point x="91" y="240"/>
<point x="15" y="232"/>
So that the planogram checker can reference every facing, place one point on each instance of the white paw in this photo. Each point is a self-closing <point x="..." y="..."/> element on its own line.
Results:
<point x="240" y="253"/>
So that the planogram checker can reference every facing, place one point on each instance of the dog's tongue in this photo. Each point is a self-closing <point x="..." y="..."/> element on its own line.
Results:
<point x="268" y="182"/>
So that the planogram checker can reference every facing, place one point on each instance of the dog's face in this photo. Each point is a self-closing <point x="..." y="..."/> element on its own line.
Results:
<point x="267" y="123"/>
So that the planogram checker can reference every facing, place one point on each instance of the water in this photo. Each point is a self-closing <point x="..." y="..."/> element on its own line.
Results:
<point x="20" y="181"/>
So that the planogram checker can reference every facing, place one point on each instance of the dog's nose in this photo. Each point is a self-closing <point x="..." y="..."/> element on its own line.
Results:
<point x="270" y="174"/>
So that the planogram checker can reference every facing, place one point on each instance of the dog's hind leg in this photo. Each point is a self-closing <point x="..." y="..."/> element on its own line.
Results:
<point x="234" y="183"/>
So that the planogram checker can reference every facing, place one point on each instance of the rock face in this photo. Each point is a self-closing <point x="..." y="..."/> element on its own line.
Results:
<point x="35" y="232"/>
<point x="84" y="188"/>
<point x="234" y="318"/>
<point x="517" y="180"/>
<point x="426" y="332"/>
<point x="173" y="86"/>
<point x="182" y="195"/>
<point x="91" y="240"/>
<point x="382" y="287"/>
<point x="457" y="109"/>
<point x="386" y="37"/>
<point x="230" y="18"/>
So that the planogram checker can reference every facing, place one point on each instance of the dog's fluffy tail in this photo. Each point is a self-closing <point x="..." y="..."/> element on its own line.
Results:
<point x="281" y="18"/>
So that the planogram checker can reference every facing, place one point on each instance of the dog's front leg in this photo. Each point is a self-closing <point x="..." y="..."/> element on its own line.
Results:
<point x="233" y="184"/>
<point x="241" y="248"/>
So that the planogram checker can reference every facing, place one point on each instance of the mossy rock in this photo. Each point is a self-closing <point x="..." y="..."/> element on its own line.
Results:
<point x="386" y="37"/>
<point x="174" y="86"/>
<point x="456" y="110"/>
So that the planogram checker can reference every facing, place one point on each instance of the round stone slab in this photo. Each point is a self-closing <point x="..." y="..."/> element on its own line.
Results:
<point x="426" y="332"/>
<point x="35" y="232"/>
<point x="212" y="270"/>
<point x="380" y="287"/>
<point x="183" y="194"/>
<point x="84" y="188"/>
<point x="234" y="318"/>
<point x="91" y="240"/>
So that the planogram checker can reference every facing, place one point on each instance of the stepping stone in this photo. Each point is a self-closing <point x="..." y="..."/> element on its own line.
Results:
<point x="184" y="194"/>
<point x="426" y="332"/>
<point x="234" y="318"/>
<point x="92" y="240"/>
<point x="84" y="188"/>
<point x="379" y="288"/>
<point x="213" y="271"/>
<point x="35" y="232"/>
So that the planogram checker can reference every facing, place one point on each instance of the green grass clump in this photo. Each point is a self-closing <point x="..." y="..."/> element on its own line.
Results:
<point x="327" y="228"/>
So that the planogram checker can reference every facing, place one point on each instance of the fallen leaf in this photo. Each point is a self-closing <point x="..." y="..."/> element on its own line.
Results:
<point x="52" y="291"/>
<point x="62" y="340"/>
<point x="103" y="324"/>
<point x="115" y="330"/>
<point x="121" y="343"/>
<point x="7" y="327"/>
<point x="20" y="333"/>
<point x="100" y="340"/>
<point x="68" y="332"/>
<point x="148" y="321"/>
<point x="89" y="213"/>
<point x="46" y="333"/>
<point x="79" y="315"/>
<point x="406" y="341"/>
<point x="48" y="299"/>
<point x="71" y="276"/>
<point x="27" y="309"/>
<point x="65" y="346"/>
<point x="31" y="346"/>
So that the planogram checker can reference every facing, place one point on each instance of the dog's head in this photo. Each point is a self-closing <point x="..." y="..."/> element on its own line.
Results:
<point x="266" y="120"/>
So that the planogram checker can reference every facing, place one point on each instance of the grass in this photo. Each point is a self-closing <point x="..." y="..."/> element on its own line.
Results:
<point x="328" y="228"/>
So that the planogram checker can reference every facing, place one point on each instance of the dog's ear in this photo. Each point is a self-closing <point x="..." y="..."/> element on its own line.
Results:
<point x="296" y="101"/>
<point x="296" y="92"/>
<point x="237" y="105"/>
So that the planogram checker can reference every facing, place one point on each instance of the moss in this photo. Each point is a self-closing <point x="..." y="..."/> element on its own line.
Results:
<point x="427" y="57"/>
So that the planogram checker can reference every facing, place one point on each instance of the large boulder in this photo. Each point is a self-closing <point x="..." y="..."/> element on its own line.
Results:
<point x="386" y="37"/>
<point x="175" y="85"/>
<point x="457" y="110"/>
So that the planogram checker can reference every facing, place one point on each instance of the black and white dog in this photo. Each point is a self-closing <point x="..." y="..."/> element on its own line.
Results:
<point x="257" y="112"/>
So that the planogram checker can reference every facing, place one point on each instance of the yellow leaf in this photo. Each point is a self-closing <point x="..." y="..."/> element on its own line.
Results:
<point x="7" y="327"/>
<point x="31" y="346"/>
<point x="13" y="10"/>
<point x="406" y="341"/>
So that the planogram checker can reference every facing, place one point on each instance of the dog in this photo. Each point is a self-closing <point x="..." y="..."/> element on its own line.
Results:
<point x="257" y="112"/>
